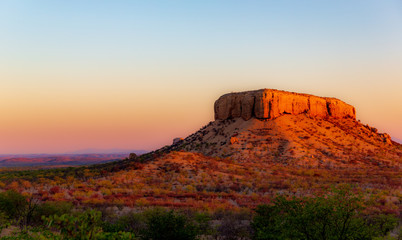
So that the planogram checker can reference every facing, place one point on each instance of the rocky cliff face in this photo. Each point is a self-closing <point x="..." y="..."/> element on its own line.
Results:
<point x="270" y="104"/>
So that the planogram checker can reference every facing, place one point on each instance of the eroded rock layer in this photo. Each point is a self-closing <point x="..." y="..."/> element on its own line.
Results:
<point x="271" y="103"/>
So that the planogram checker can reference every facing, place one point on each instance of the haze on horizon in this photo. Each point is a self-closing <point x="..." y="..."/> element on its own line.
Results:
<point x="135" y="75"/>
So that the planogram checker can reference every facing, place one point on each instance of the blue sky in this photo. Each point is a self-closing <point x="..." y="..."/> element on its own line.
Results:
<point x="113" y="56"/>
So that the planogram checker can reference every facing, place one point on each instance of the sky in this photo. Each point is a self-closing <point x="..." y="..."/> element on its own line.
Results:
<point x="136" y="74"/>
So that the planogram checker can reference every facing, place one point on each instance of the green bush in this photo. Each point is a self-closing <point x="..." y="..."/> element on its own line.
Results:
<point x="4" y="222"/>
<point x="33" y="234"/>
<point x="268" y="224"/>
<point x="337" y="215"/>
<point x="131" y="222"/>
<point x="203" y="223"/>
<point x="17" y="208"/>
<point x="12" y="203"/>
<point x="138" y="222"/>
<point x="50" y="208"/>
<point x="84" y="226"/>
<point x="382" y="224"/>
<point x="168" y="225"/>
<point x="232" y="225"/>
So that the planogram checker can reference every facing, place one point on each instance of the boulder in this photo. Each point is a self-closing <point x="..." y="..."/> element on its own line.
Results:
<point x="386" y="138"/>
<point x="132" y="156"/>
<point x="177" y="140"/>
<point x="234" y="140"/>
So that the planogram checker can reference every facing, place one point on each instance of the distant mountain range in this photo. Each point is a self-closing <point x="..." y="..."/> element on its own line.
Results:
<point x="397" y="140"/>
<point x="112" y="150"/>
<point x="76" y="158"/>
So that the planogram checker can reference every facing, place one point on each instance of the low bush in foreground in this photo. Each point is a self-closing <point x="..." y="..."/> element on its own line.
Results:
<point x="339" y="214"/>
<point x="336" y="215"/>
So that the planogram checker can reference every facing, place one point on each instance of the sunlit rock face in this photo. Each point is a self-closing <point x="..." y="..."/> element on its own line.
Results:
<point x="271" y="103"/>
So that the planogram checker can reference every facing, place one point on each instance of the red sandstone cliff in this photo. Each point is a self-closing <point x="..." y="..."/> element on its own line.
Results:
<point x="270" y="104"/>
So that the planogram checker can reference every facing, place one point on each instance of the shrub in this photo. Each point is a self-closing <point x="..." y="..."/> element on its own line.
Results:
<point x="54" y="190"/>
<point x="83" y="226"/>
<point x="233" y="225"/>
<point x="12" y="203"/>
<point x="337" y="215"/>
<point x="50" y="208"/>
<point x="203" y="223"/>
<point x="131" y="222"/>
<point x="267" y="223"/>
<point x="4" y="222"/>
<point x="16" y="207"/>
<point x="381" y="224"/>
<point x="165" y="225"/>
<point x="86" y="225"/>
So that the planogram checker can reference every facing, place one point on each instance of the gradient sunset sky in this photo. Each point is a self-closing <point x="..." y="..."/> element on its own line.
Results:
<point x="136" y="74"/>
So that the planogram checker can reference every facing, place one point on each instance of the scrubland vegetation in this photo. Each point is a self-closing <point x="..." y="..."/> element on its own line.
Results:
<point x="189" y="180"/>
<point x="341" y="213"/>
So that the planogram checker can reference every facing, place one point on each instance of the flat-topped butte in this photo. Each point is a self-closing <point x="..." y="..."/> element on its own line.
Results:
<point x="272" y="103"/>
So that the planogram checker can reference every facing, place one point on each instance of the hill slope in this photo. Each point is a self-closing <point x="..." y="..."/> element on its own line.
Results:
<point x="295" y="139"/>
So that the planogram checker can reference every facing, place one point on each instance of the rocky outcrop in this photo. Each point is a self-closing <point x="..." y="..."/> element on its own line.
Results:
<point x="132" y="156"/>
<point x="177" y="140"/>
<point x="271" y="103"/>
<point x="386" y="138"/>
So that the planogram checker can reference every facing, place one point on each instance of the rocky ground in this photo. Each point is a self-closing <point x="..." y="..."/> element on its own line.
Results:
<point x="296" y="139"/>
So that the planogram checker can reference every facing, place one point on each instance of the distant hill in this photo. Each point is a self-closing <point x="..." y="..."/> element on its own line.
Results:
<point x="82" y="157"/>
<point x="103" y="151"/>
<point x="397" y="140"/>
